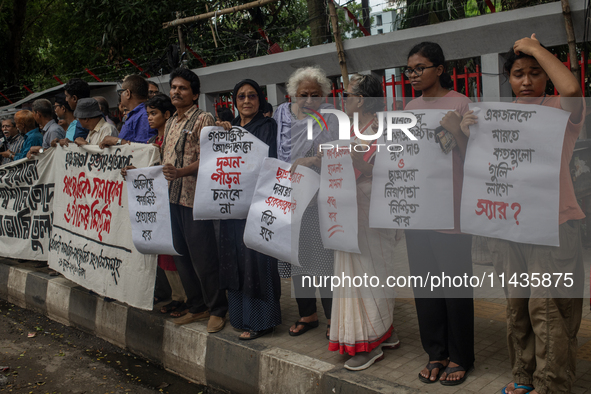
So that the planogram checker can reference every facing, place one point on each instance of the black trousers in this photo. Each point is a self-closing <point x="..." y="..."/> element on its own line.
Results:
<point x="306" y="297"/>
<point x="198" y="264"/>
<point x="445" y="314"/>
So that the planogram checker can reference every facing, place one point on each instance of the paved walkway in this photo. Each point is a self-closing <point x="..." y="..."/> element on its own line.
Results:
<point x="399" y="367"/>
<point x="492" y="367"/>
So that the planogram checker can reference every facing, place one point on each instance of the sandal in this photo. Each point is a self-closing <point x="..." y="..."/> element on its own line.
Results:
<point x="173" y="306"/>
<point x="450" y="370"/>
<point x="307" y="327"/>
<point x="256" y="334"/>
<point x="430" y="367"/>
<point x="518" y="387"/>
<point x="179" y="312"/>
<point x="328" y="332"/>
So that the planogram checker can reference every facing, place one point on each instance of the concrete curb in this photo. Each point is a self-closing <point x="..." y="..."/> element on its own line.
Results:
<point x="219" y="360"/>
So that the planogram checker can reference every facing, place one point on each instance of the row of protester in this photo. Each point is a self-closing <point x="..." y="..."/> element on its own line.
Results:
<point x="364" y="200"/>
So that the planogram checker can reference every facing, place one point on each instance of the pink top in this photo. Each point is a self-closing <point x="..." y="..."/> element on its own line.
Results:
<point x="569" y="208"/>
<point x="453" y="101"/>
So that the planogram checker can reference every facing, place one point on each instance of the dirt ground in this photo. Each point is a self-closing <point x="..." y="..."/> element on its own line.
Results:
<point x="38" y="355"/>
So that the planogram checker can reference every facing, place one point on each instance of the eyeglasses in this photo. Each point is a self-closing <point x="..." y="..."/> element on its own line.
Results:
<point x="120" y="91"/>
<point x="418" y="71"/>
<point x="251" y="97"/>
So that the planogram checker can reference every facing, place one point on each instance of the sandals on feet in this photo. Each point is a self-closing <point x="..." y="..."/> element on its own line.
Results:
<point x="518" y="387"/>
<point x="450" y="370"/>
<point x="256" y="334"/>
<point x="306" y="328"/>
<point x="430" y="367"/>
<point x="173" y="306"/>
<point x="179" y="312"/>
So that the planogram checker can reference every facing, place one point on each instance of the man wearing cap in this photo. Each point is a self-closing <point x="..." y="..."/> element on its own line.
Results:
<point x="90" y="116"/>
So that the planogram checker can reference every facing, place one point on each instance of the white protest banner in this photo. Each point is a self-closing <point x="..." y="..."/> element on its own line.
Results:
<point x="413" y="183"/>
<point x="91" y="242"/>
<point x="229" y="164"/>
<point x="337" y="199"/>
<point x="149" y="211"/>
<point x="511" y="173"/>
<point x="275" y="215"/>
<point x="26" y="207"/>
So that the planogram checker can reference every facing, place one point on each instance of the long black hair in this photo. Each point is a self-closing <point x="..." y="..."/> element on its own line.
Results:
<point x="511" y="57"/>
<point x="433" y="52"/>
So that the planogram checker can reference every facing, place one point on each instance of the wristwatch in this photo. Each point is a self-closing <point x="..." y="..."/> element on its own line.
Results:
<point x="119" y="141"/>
<point x="41" y="150"/>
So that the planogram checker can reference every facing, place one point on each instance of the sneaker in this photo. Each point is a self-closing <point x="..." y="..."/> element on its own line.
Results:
<point x="391" y="343"/>
<point x="215" y="324"/>
<point x="364" y="360"/>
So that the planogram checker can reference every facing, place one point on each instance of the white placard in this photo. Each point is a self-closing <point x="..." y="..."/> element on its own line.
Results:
<point x="511" y="173"/>
<point x="149" y="211"/>
<point x="275" y="215"/>
<point x="229" y="166"/>
<point x="337" y="199"/>
<point x="91" y="242"/>
<point x="412" y="187"/>
<point x="27" y="189"/>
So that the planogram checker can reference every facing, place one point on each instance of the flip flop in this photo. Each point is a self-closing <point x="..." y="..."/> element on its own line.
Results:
<point x="517" y="387"/>
<point x="179" y="312"/>
<point x="307" y="327"/>
<point x="450" y="370"/>
<point x="256" y="334"/>
<point x="430" y="367"/>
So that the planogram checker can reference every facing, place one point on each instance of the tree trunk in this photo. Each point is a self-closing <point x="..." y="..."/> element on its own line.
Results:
<point x="365" y="14"/>
<point x="570" y="34"/>
<point x="318" y="22"/>
<point x="16" y="28"/>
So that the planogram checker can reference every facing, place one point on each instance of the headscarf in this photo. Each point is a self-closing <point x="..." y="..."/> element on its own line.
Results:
<point x="256" y="87"/>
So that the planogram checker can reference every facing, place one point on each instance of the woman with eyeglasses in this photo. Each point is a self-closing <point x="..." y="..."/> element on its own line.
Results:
<point x="446" y="317"/>
<point x="362" y="317"/>
<point x="308" y="87"/>
<point x="251" y="278"/>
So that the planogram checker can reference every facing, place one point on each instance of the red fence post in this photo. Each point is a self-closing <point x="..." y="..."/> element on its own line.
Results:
<point x="139" y="68"/>
<point x="28" y="90"/>
<point x="6" y="98"/>
<point x="57" y="79"/>
<point x="93" y="75"/>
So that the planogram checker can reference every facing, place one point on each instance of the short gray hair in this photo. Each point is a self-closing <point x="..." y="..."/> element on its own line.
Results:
<point x="314" y="74"/>
<point x="44" y="107"/>
<point x="11" y="119"/>
<point x="370" y="88"/>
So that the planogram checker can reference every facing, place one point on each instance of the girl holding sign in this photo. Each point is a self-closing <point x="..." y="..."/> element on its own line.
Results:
<point x="446" y="315"/>
<point x="251" y="278"/>
<point x="542" y="331"/>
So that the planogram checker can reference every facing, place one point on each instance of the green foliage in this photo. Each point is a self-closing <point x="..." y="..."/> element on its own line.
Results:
<point x="63" y="37"/>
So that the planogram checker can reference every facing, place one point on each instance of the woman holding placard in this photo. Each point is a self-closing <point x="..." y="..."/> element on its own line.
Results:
<point x="308" y="87"/>
<point x="251" y="278"/>
<point x="446" y="316"/>
<point x="542" y="331"/>
<point x="362" y="316"/>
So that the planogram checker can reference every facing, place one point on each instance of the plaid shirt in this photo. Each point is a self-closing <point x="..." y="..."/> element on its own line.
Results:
<point x="15" y="144"/>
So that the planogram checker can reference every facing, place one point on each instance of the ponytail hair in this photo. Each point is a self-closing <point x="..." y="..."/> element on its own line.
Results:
<point x="433" y="52"/>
